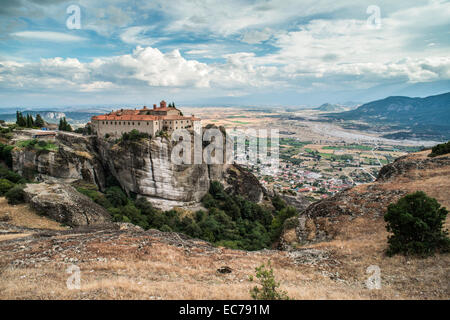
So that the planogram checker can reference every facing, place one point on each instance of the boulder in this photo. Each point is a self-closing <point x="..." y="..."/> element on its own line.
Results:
<point x="298" y="201"/>
<point x="65" y="204"/>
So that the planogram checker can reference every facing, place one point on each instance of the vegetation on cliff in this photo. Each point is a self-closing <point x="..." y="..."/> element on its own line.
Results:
<point x="416" y="223"/>
<point x="230" y="220"/>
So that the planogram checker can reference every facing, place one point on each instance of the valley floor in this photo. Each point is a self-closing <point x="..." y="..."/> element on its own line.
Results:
<point x="126" y="263"/>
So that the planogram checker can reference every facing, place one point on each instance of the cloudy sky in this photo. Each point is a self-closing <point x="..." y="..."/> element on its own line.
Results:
<point x="269" y="52"/>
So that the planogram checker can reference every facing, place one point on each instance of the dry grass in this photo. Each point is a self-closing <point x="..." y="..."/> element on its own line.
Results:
<point x="143" y="267"/>
<point x="22" y="215"/>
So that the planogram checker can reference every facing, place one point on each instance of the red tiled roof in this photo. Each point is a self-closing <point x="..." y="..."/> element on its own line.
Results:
<point x="134" y="115"/>
<point x="140" y="117"/>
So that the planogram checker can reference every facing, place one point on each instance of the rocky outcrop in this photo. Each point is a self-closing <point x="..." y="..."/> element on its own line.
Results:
<point x="241" y="182"/>
<point x="142" y="167"/>
<point x="411" y="166"/>
<point x="298" y="201"/>
<point x="74" y="159"/>
<point x="145" y="168"/>
<point x="324" y="220"/>
<point x="64" y="204"/>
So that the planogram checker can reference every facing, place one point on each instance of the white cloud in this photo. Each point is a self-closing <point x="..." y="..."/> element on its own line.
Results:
<point x="257" y="36"/>
<point x="48" y="36"/>
<point x="137" y="36"/>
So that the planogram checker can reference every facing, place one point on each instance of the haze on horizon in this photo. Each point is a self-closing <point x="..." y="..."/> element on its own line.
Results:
<point x="273" y="52"/>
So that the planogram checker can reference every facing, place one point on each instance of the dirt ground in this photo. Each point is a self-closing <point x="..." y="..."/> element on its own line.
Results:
<point x="129" y="264"/>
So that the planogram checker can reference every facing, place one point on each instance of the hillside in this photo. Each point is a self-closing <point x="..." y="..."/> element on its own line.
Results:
<point x="425" y="118"/>
<point x="345" y="235"/>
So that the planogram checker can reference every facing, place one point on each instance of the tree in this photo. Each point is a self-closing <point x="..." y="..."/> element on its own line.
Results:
<point x="440" y="149"/>
<point x="29" y="121"/>
<point x="116" y="196"/>
<point x="64" y="125"/>
<point x="20" y="120"/>
<point x="39" y="122"/>
<point x="268" y="289"/>
<point x="416" y="223"/>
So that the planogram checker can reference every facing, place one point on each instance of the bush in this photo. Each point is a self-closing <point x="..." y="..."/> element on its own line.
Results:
<point x="16" y="195"/>
<point x="11" y="175"/>
<point x="5" y="186"/>
<point x="440" y="149"/>
<point x="116" y="196"/>
<point x="416" y="222"/>
<point x="135" y="135"/>
<point x="268" y="289"/>
<point x="5" y="154"/>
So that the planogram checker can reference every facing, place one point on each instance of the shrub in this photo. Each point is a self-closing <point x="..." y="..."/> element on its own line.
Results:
<point x="10" y="175"/>
<point x="416" y="222"/>
<point x="95" y="196"/>
<point x="16" y="195"/>
<point x="440" y="149"/>
<point x="268" y="289"/>
<point x="5" y="185"/>
<point x="5" y="154"/>
<point x="116" y="196"/>
<point x="135" y="135"/>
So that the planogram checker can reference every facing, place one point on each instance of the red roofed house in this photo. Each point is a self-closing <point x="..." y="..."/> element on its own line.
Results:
<point x="144" y="120"/>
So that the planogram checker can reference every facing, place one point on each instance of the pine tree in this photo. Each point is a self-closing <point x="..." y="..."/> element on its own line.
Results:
<point x="21" y="122"/>
<point x="39" y="122"/>
<point x="29" y="123"/>
<point x="63" y="125"/>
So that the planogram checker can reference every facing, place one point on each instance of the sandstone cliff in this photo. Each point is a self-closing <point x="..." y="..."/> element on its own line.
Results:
<point x="74" y="159"/>
<point x="141" y="167"/>
<point x="326" y="219"/>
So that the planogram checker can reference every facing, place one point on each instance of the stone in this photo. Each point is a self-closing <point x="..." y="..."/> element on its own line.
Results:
<point x="224" y="270"/>
<point x="65" y="204"/>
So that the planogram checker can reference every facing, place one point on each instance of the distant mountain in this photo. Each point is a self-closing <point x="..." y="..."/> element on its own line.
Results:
<point x="332" y="107"/>
<point x="414" y="117"/>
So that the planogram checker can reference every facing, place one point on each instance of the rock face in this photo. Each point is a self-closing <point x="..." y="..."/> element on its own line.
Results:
<point x="64" y="204"/>
<point x="411" y="166"/>
<point x="142" y="167"/>
<point x="145" y="168"/>
<point x="323" y="220"/>
<point x="74" y="159"/>
<point x="299" y="202"/>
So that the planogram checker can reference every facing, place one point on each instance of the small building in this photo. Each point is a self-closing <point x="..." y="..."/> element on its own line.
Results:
<point x="162" y="118"/>
<point x="44" y="135"/>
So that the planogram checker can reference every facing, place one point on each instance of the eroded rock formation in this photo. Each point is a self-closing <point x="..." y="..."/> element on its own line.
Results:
<point x="142" y="167"/>
<point x="64" y="204"/>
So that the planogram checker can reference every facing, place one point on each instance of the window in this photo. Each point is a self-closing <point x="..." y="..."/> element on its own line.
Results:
<point x="139" y="123"/>
<point x="133" y="123"/>
<point x="103" y="122"/>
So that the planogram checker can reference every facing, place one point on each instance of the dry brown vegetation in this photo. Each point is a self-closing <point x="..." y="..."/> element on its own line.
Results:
<point x="22" y="215"/>
<point x="127" y="264"/>
<point x="144" y="265"/>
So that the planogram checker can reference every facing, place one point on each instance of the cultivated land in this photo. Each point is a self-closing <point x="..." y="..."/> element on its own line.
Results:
<point x="318" y="158"/>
